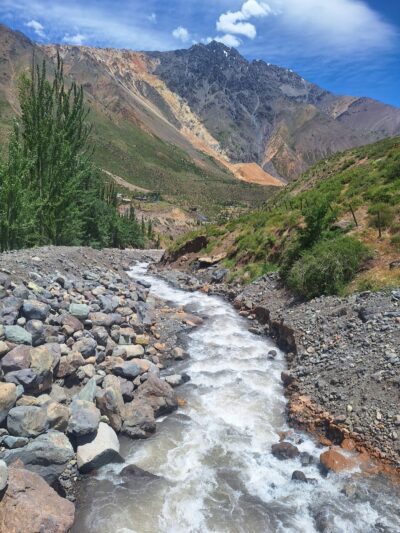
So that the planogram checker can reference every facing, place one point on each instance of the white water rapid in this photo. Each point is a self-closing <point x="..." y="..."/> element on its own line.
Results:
<point x="217" y="473"/>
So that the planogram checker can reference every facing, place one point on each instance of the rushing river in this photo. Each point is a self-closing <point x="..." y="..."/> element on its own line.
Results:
<point x="216" y="472"/>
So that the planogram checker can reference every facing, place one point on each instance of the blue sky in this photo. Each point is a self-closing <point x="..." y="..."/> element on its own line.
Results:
<point x="347" y="46"/>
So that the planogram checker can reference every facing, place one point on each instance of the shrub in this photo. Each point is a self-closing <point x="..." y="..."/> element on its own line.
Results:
<point x="327" y="267"/>
<point x="381" y="215"/>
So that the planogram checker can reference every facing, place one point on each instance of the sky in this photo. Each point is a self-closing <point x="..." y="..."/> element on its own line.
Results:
<point x="349" y="47"/>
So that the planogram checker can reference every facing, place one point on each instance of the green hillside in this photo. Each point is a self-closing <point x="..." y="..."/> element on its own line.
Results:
<point x="340" y="220"/>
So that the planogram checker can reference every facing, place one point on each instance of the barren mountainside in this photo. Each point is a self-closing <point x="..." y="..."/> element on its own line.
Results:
<point x="208" y="107"/>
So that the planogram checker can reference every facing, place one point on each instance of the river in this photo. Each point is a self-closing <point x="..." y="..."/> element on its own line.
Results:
<point x="216" y="471"/>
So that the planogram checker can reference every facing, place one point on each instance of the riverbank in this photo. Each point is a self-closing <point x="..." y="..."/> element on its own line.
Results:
<point x="84" y="351"/>
<point x="343" y="358"/>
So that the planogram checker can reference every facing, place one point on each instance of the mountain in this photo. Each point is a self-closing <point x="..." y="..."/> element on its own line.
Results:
<point x="267" y="114"/>
<point x="202" y="126"/>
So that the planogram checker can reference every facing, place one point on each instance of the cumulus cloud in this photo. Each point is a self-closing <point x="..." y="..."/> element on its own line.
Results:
<point x="36" y="27"/>
<point x="234" y="22"/>
<point x="229" y="40"/>
<point x="181" y="33"/>
<point x="77" y="39"/>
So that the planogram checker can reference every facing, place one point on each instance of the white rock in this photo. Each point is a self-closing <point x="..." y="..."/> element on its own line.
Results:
<point x="103" y="449"/>
<point x="3" y="476"/>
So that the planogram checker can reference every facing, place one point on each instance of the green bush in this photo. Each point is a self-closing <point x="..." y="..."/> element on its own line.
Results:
<point x="327" y="267"/>
<point x="381" y="215"/>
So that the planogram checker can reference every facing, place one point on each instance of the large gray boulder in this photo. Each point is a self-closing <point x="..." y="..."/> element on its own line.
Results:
<point x="27" y="421"/>
<point x="80" y="311"/>
<point x="85" y="418"/>
<point x="110" y="401"/>
<point x="47" y="455"/>
<point x="27" y="378"/>
<point x="3" y="476"/>
<point x="8" y="397"/>
<point x="158" y="394"/>
<point x="35" y="310"/>
<point x="101" y="450"/>
<point x="126" y="370"/>
<point x="86" y="346"/>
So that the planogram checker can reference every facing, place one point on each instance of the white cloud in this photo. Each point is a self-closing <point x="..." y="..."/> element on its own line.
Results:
<point x="338" y="27"/>
<point x="152" y="17"/>
<point x="181" y="33"/>
<point x="36" y="27"/>
<point x="229" y="40"/>
<point x="234" y="22"/>
<point x="77" y="39"/>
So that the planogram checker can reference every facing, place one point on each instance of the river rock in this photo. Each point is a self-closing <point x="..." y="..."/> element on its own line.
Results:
<point x="79" y="311"/>
<point x="43" y="361"/>
<point x="57" y="415"/>
<point x="18" y="335"/>
<point x="4" y="348"/>
<point x="27" y="378"/>
<point x="35" y="310"/>
<point x="101" y="450"/>
<point x="298" y="475"/>
<point x="47" y="455"/>
<point x="105" y="320"/>
<point x="133" y="350"/>
<point x="139" y="420"/>
<point x="335" y="460"/>
<point x="69" y="364"/>
<point x="158" y="394"/>
<point x="86" y="346"/>
<point x="284" y="450"/>
<point x="27" y="421"/>
<point x="85" y="418"/>
<point x="71" y="322"/>
<point x="36" y="329"/>
<point x="174" y="380"/>
<point x="110" y="401"/>
<point x="126" y="369"/>
<point x="88" y="392"/>
<point x="11" y="442"/>
<point x="57" y="393"/>
<point x="29" y="505"/>
<point x="8" y="397"/>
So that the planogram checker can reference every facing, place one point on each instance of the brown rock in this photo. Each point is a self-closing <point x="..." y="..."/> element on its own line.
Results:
<point x="335" y="461"/>
<point x="69" y="363"/>
<point x="158" y="394"/>
<point x="30" y="505"/>
<point x="17" y="359"/>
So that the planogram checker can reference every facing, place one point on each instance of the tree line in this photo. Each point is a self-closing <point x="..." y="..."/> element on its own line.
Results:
<point x="50" y="190"/>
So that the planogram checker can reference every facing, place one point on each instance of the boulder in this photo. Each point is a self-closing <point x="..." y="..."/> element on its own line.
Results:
<point x="100" y="335"/>
<point x="105" y="320"/>
<point x="57" y="393"/>
<point x="72" y="322"/>
<point x="88" y="392"/>
<point x="79" y="311"/>
<point x="27" y="378"/>
<point x="110" y="401"/>
<point x="8" y="397"/>
<point x="29" y="505"/>
<point x="126" y="389"/>
<point x="16" y="359"/>
<point x="57" y="415"/>
<point x="69" y="364"/>
<point x="174" y="380"/>
<point x="48" y="455"/>
<point x="139" y="420"/>
<point x="284" y="450"/>
<point x="36" y="329"/>
<point x="133" y="350"/>
<point x="44" y="359"/>
<point x="11" y="442"/>
<point x="298" y="475"/>
<point x="4" y="348"/>
<point x="158" y="394"/>
<point x="85" y="418"/>
<point x="127" y="370"/>
<point x="27" y="421"/>
<point x="86" y="346"/>
<point x="334" y="460"/>
<point x="35" y="310"/>
<point x="101" y="450"/>
<point x="18" y="335"/>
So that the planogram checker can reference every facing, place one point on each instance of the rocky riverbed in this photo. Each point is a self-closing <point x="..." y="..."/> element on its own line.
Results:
<point x="83" y="352"/>
<point x="343" y="357"/>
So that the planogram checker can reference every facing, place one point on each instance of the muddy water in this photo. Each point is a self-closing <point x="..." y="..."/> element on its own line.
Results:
<point x="212" y="459"/>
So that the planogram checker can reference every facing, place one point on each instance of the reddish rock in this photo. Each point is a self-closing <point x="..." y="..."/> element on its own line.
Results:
<point x="158" y="394"/>
<point x="335" y="461"/>
<point x="31" y="505"/>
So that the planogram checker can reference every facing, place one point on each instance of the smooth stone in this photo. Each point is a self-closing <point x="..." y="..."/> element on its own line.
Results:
<point x="102" y="449"/>
<point x="85" y="418"/>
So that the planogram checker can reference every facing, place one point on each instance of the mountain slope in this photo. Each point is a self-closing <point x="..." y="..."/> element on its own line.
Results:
<point x="133" y="137"/>
<point x="186" y="123"/>
<point x="267" y="114"/>
<point x="352" y="194"/>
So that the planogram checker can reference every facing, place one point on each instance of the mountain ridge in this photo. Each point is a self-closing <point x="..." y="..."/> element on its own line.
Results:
<point x="258" y="122"/>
